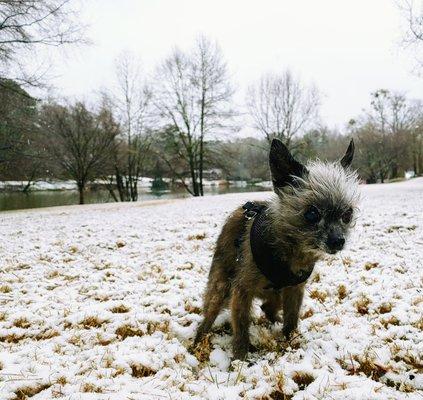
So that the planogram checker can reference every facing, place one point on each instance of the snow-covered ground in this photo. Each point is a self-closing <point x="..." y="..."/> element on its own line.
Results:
<point x="102" y="302"/>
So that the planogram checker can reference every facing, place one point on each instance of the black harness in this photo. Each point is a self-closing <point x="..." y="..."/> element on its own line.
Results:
<point x="275" y="269"/>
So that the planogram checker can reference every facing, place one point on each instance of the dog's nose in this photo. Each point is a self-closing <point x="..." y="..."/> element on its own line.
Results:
<point x="335" y="242"/>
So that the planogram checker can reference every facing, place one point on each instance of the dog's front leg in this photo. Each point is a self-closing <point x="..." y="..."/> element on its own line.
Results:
<point x="292" y="298"/>
<point x="241" y="301"/>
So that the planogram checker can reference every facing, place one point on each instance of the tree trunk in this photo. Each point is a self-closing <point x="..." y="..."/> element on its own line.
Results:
<point x="81" y="193"/>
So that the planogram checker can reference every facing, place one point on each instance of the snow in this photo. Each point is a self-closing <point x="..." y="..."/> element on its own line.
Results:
<point x="102" y="301"/>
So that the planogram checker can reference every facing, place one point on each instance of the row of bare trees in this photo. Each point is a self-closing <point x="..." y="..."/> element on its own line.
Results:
<point x="179" y="120"/>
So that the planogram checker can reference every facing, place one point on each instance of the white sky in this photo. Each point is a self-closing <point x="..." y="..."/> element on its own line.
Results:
<point x="346" y="48"/>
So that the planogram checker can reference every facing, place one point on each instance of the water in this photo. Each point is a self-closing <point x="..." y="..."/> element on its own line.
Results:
<point x="18" y="200"/>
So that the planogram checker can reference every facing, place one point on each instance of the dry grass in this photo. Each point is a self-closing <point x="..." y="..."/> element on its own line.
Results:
<point x="120" y="309"/>
<point x="29" y="391"/>
<point x="92" y="322"/>
<point x="127" y="330"/>
<point x="384" y="308"/>
<point x="370" y="265"/>
<point x="189" y="308"/>
<point x="102" y="341"/>
<point x="302" y="379"/>
<point x="5" y="289"/>
<point x="362" y="305"/>
<point x="12" y="338"/>
<point x="157" y="326"/>
<point x="369" y="367"/>
<point x="278" y="393"/>
<point x="198" y="236"/>
<point x="91" y="388"/>
<point x="307" y="313"/>
<point x="141" y="371"/>
<point x="390" y="321"/>
<point x="342" y="292"/>
<point x="320" y="295"/>
<point x="120" y="244"/>
<point x="3" y="316"/>
<point x="203" y="349"/>
<point x="48" y="334"/>
<point x="22" y="323"/>
<point x="61" y="380"/>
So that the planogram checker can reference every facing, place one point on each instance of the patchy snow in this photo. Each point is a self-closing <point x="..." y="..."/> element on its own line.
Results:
<point x="102" y="301"/>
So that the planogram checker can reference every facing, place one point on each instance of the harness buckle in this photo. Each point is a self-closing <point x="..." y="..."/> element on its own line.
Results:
<point x="250" y="214"/>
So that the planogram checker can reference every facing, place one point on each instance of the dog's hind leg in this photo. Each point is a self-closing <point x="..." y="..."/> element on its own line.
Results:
<point x="292" y="298"/>
<point x="217" y="294"/>
<point x="241" y="300"/>
<point x="272" y="305"/>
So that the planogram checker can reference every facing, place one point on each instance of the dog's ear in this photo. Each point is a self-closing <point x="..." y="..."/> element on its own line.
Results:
<point x="349" y="155"/>
<point x="283" y="166"/>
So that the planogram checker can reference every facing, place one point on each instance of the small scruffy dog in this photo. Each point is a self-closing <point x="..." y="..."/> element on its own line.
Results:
<point x="268" y="249"/>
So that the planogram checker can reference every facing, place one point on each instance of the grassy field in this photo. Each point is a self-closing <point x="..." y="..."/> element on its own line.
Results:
<point x="102" y="302"/>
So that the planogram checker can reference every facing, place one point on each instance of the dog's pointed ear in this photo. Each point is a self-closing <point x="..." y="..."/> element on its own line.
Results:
<point x="349" y="155"/>
<point x="283" y="166"/>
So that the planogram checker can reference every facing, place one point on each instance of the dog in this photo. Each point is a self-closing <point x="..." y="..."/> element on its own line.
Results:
<point x="268" y="250"/>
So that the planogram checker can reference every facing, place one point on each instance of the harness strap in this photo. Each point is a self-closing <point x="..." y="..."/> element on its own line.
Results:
<point x="273" y="267"/>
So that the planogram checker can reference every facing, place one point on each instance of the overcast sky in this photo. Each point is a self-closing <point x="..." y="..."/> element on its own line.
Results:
<point x="346" y="48"/>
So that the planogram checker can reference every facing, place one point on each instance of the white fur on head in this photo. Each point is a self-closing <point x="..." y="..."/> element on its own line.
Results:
<point x="324" y="183"/>
<point x="331" y="181"/>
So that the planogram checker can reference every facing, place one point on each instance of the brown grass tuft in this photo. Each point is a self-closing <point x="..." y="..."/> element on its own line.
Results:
<point x="22" y="323"/>
<point x="370" y="265"/>
<point x="203" y="349"/>
<point x="141" y="371"/>
<point x="120" y="243"/>
<point x="91" y="388"/>
<point x="198" y="236"/>
<point x="5" y="289"/>
<point x="303" y="379"/>
<point x="307" y="313"/>
<point x="319" y="295"/>
<point x="362" y="305"/>
<point x="47" y="334"/>
<point x="342" y="292"/>
<point x="189" y="308"/>
<point x="120" y="309"/>
<point x="29" y="391"/>
<point x="62" y="380"/>
<point x="390" y="321"/>
<point x="12" y="338"/>
<point x="384" y="308"/>
<point x="157" y="326"/>
<point x="369" y="367"/>
<point x="92" y="322"/>
<point x="127" y="330"/>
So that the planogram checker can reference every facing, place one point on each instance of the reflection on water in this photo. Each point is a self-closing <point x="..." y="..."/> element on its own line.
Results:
<point x="17" y="200"/>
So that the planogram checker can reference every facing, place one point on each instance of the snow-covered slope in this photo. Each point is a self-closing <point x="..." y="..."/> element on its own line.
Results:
<point x="102" y="302"/>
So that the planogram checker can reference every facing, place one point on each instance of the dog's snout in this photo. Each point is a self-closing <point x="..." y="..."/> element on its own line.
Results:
<point x="335" y="242"/>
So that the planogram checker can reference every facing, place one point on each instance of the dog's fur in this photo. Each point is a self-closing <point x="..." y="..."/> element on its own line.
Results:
<point x="331" y="188"/>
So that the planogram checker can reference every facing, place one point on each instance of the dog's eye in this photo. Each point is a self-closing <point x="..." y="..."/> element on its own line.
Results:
<point x="347" y="216"/>
<point x="312" y="215"/>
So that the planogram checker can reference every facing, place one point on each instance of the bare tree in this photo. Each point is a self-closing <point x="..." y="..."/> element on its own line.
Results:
<point x="133" y="105"/>
<point x="282" y="107"/>
<point x="412" y="12"/>
<point x="28" y="24"/>
<point x="193" y="96"/>
<point x="80" y="141"/>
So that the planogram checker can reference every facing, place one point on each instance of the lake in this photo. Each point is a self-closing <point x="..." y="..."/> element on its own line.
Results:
<point x="36" y="199"/>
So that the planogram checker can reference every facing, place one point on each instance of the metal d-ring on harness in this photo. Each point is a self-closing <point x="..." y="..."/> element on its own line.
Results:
<point x="270" y="264"/>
